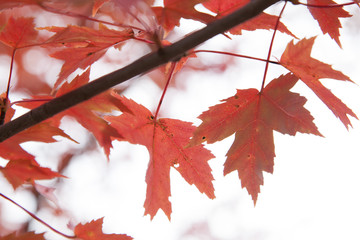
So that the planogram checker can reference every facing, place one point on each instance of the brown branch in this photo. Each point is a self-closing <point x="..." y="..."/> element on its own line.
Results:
<point x="140" y="66"/>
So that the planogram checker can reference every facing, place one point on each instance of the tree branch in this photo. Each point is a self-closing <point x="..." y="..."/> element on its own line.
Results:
<point x="144" y="64"/>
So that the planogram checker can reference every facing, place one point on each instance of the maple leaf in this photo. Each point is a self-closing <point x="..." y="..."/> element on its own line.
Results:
<point x="19" y="32"/>
<point x="79" y="36"/>
<point x="24" y="236"/>
<point x="93" y="231"/>
<point x="328" y="18"/>
<point x="262" y="21"/>
<point x="87" y="113"/>
<point x="297" y="59"/>
<point x="160" y="75"/>
<point x="123" y="3"/>
<point x="165" y="140"/>
<point x="18" y="172"/>
<point x="83" y="46"/>
<point x="169" y="16"/>
<point x="253" y="116"/>
<point x="47" y="193"/>
<point x="97" y="5"/>
<point x="10" y="149"/>
<point x="22" y="167"/>
<point x="4" y="4"/>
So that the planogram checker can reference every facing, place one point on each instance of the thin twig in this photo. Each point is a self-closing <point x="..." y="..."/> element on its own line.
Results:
<point x="235" y="55"/>
<point x="36" y="218"/>
<point x="171" y="72"/>
<point x="327" y="6"/>
<point x="270" y="48"/>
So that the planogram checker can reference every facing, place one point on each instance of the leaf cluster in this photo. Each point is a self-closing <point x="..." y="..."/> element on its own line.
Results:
<point x="252" y="115"/>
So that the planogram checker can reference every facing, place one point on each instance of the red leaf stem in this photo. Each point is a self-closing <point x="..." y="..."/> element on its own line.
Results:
<point x="235" y="55"/>
<point x="77" y="15"/>
<point x="36" y="218"/>
<point x="270" y="48"/>
<point x="171" y="71"/>
<point x="327" y="6"/>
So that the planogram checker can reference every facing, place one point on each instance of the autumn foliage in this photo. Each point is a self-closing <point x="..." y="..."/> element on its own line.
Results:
<point x="91" y="28"/>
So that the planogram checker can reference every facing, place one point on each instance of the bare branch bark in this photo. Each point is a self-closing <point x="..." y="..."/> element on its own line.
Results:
<point x="140" y="66"/>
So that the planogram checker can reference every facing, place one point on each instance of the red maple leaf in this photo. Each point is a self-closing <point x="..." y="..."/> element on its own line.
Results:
<point x="160" y="75"/>
<point x="97" y="5"/>
<point x="19" y="172"/>
<point x="297" y="59"/>
<point x="169" y="16"/>
<point x="83" y="46"/>
<point x="88" y="113"/>
<point x="165" y="140"/>
<point x="19" y="32"/>
<point x="262" y="21"/>
<point x="253" y="116"/>
<point x="93" y="231"/>
<point x="127" y="4"/>
<point x="24" y="236"/>
<point x="22" y="167"/>
<point x="328" y="17"/>
<point x="10" y="149"/>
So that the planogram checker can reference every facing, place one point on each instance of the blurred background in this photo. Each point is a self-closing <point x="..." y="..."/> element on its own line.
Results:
<point x="312" y="194"/>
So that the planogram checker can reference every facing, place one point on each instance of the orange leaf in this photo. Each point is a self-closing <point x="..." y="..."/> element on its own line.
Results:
<point x="93" y="231"/>
<point x="4" y="4"/>
<point x="253" y="116"/>
<point x="10" y="149"/>
<point x="84" y="46"/>
<point x="22" y="167"/>
<point x="88" y="113"/>
<point x="328" y="18"/>
<point x="160" y="75"/>
<point x="262" y="21"/>
<point x="19" y="32"/>
<point x="97" y="5"/>
<point x="297" y="59"/>
<point x="165" y="140"/>
<point x="79" y="36"/>
<point x="24" y="236"/>
<point x="19" y="172"/>
<point x="169" y="16"/>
